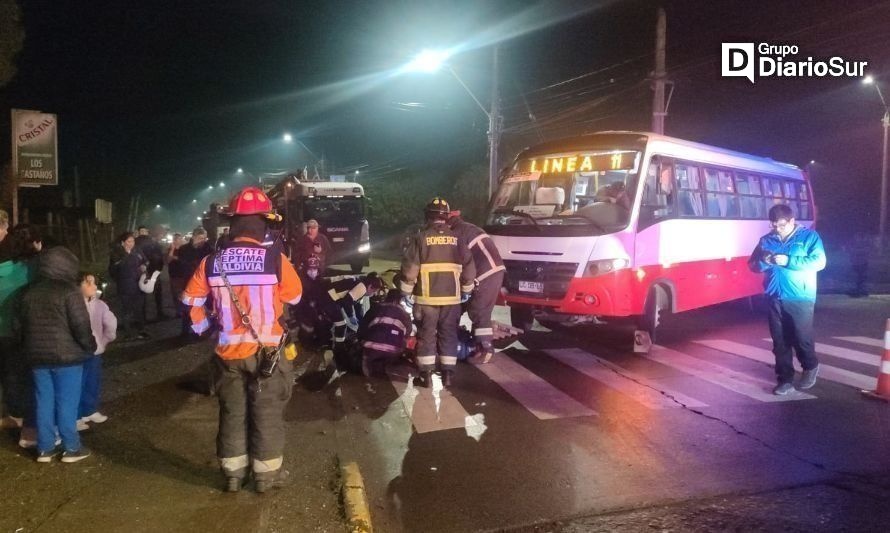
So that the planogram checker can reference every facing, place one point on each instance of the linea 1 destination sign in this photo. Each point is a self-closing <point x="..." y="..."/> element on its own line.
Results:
<point x="35" y="159"/>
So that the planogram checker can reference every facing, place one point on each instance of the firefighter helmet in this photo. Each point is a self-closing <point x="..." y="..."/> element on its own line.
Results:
<point x="438" y="206"/>
<point x="252" y="201"/>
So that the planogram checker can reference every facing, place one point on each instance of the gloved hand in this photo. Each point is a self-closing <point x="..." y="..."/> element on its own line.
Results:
<point x="465" y="297"/>
<point x="407" y="303"/>
<point x="352" y="323"/>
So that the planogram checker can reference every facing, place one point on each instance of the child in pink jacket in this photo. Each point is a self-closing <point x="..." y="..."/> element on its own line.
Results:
<point x="104" y="325"/>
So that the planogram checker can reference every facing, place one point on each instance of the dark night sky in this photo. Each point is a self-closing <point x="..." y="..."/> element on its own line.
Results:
<point x="166" y="97"/>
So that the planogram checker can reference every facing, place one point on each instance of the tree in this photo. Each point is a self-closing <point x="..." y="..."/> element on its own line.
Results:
<point x="470" y="193"/>
<point x="12" y="36"/>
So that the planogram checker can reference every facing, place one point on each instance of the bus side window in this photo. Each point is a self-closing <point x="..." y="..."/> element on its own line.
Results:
<point x="658" y="192"/>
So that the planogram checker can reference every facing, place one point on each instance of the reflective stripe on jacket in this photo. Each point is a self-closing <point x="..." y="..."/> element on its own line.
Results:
<point x="486" y="257"/>
<point x="262" y="279"/>
<point x="437" y="266"/>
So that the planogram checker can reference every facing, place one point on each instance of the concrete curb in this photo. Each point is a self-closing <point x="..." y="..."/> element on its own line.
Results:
<point x="355" y="502"/>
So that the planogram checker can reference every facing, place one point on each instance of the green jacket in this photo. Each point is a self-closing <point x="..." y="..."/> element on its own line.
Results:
<point x="14" y="276"/>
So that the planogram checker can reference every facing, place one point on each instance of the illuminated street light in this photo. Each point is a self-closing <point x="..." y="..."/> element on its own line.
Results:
<point x="882" y="220"/>
<point x="812" y="161"/>
<point x="288" y="138"/>
<point x="210" y="187"/>
<point x="356" y="172"/>
<point x="240" y="170"/>
<point x="194" y="201"/>
<point x="428" y="61"/>
<point x="221" y="184"/>
<point x="157" y="206"/>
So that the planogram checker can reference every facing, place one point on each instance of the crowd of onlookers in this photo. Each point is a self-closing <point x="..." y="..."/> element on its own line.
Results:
<point x="54" y="327"/>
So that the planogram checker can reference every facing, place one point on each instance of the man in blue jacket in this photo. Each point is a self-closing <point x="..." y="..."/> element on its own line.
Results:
<point x="789" y="257"/>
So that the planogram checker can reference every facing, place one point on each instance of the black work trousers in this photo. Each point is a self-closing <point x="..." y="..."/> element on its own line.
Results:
<point x="481" y="306"/>
<point x="791" y="327"/>
<point x="251" y="417"/>
<point x="437" y="336"/>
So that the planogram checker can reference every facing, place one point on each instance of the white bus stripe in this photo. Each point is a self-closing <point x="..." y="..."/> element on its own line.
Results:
<point x="420" y="405"/>
<point x="750" y="386"/>
<point x="535" y="394"/>
<point x="831" y="373"/>
<point x="639" y="388"/>
<point x="846" y="353"/>
<point x="867" y="341"/>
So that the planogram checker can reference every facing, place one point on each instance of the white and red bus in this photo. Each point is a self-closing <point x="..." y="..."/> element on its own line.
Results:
<point x="630" y="224"/>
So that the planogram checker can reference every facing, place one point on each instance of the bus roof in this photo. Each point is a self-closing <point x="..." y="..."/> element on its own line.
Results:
<point x="330" y="188"/>
<point x="668" y="146"/>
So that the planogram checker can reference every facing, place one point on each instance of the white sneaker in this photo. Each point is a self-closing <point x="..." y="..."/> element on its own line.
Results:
<point x="82" y="426"/>
<point x="96" y="417"/>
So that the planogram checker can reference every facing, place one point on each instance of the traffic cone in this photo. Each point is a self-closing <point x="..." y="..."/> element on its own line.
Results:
<point x="882" y="392"/>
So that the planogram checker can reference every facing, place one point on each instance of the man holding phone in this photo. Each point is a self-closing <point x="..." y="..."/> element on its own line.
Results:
<point x="789" y="256"/>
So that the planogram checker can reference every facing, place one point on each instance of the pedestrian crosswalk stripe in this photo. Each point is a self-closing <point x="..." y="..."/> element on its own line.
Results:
<point x="846" y="353"/>
<point x="831" y="373"/>
<point x="534" y="393"/>
<point x="867" y="341"/>
<point x="637" y="387"/>
<point x="420" y="404"/>
<point x="752" y="387"/>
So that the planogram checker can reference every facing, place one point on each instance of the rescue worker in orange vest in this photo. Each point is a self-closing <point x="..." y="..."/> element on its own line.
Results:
<point x="438" y="270"/>
<point x="489" y="279"/>
<point x="250" y="285"/>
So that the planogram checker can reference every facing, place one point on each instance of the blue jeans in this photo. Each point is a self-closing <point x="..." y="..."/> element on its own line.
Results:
<point x="57" y="394"/>
<point x="92" y="385"/>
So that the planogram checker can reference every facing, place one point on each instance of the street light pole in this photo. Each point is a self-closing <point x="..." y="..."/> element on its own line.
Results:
<point x="494" y="125"/>
<point x="882" y="227"/>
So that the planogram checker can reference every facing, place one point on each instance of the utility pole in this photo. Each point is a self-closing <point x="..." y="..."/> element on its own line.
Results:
<point x="494" y="125"/>
<point x="658" y="108"/>
<point x="882" y="225"/>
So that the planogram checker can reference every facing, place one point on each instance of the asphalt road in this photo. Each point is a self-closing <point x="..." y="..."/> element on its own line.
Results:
<point x="571" y="424"/>
<point x="566" y="431"/>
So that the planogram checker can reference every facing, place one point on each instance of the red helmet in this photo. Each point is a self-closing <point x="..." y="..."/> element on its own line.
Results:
<point x="251" y="201"/>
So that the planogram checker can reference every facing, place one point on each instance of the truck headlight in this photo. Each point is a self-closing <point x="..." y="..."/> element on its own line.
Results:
<point x="605" y="266"/>
<point x="364" y="248"/>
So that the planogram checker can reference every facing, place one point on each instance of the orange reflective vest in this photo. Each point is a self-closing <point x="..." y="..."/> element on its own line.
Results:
<point x="262" y="279"/>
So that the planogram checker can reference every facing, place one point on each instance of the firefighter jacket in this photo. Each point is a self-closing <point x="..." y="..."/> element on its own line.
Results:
<point x="347" y="290"/>
<point x="262" y="279"/>
<point x="385" y="328"/>
<point x="486" y="257"/>
<point x="437" y="266"/>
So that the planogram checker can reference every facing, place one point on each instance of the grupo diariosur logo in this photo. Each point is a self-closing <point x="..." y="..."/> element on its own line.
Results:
<point x="745" y="60"/>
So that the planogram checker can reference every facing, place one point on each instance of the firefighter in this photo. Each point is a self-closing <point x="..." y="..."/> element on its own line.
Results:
<point x="383" y="332"/>
<point x="260" y="282"/>
<point x="489" y="279"/>
<point x="438" y="270"/>
<point x="309" y="315"/>
<point x="348" y="292"/>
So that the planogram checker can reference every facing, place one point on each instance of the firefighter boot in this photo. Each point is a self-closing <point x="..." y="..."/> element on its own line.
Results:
<point x="426" y="378"/>
<point x="234" y="484"/>
<point x="447" y="378"/>
<point x="275" y="482"/>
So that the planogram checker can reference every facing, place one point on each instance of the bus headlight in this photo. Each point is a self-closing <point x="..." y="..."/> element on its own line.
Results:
<point x="364" y="248"/>
<point x="605" y="266"/>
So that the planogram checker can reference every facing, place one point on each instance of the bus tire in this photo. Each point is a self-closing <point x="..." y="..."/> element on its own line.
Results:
<point x="522" y="317"/>
<point x="657" y="305"/>
<point x="356" y="267"/>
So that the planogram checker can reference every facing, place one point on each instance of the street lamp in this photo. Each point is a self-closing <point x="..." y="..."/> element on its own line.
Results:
<point x="157" y="206"/>
<point x="882" y="221"/>
<point x="210" y="187"/>
<point x="240" y="170"/>
<point x="221" y="184"/>
<point x="430" y="61"/>
<point x="194" y="200"/>
<point x="288" y="138"/>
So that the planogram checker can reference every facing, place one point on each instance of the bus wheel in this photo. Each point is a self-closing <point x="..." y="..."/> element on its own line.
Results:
<point x="657" y="304"/>
<point x="522" y="317"/>
<point x="356" y="267"/>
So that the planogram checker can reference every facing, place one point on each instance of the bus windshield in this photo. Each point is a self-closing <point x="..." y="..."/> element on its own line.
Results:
<point x="595" y="189"/>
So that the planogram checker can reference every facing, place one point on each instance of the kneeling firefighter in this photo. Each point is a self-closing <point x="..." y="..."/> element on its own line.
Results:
<point x="438" y="270"/>
<point x="383" y="333"/>
<point x="250" y="285"/>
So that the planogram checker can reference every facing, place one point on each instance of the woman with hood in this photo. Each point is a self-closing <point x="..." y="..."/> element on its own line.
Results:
<point x="57" y="339"/>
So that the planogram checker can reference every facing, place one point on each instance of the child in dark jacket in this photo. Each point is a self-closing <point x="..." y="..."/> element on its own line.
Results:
<point x="57" y="339"/>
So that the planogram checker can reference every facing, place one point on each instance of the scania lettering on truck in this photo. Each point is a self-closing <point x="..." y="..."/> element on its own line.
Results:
<point x="629" y="224"/>
<point x="338" y="207"/>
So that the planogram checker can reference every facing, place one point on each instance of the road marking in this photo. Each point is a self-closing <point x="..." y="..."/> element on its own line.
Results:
<point x="831" y="373"/>
<point x="867" y="341"/>
<point x="750" y="386"/>
<point x="846" y="353"/>
<point x="420" y="405"/>
<point x="641" y="389"/>
<point x="534" y="393"/>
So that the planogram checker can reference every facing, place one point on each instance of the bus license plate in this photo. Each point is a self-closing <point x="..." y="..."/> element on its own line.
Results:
<point x="531" y="286"/>
<point x="338" y="239"/>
